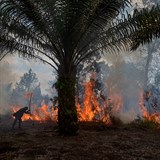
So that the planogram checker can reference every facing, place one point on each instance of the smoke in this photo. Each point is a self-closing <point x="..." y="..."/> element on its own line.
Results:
<point x="7" y="77"/>
<point x="126" y="117"/>
<point x="138" y="3"/>
<point x="126" y="80"/>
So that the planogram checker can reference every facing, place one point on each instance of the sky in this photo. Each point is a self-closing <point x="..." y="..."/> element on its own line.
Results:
<point x="18" y="66"/>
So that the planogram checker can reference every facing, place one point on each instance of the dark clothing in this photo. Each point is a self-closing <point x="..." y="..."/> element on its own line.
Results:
<point x="54" y="102"/>
<point x="18" y="115"/>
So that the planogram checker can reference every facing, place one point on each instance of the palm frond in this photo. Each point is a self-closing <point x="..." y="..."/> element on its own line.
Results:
<point x="67" y="32"/>
<point x="10" y="45"/>
<point x="25" y="25"/>
<point x="57" y="27"/>
<point x="140" y="28"/>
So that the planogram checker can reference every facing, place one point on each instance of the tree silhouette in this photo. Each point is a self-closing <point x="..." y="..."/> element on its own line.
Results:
<point x="28" y="84"/>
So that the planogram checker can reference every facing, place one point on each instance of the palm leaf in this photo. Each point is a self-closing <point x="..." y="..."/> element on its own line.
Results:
<point x="134" y="30"/>
<point x="68" y="32"/>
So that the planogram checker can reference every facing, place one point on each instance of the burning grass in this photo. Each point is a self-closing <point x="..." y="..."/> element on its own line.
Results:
<point x="97" y="108"/>
<point x="102" y="134"/>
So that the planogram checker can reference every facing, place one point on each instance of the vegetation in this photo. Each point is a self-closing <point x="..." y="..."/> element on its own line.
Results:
<point x="65" y="33"/>
<point x="145" y="123"/>
<point x="28" y="84"/>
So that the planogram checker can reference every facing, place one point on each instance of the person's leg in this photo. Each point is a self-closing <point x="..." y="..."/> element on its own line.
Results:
<point x="20" y="122"/>
<point x="14" y="123"/>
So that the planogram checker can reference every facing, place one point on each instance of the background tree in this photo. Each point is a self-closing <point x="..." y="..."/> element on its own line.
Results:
<point x="65" y="33"/>
<point x="28" y="84"/>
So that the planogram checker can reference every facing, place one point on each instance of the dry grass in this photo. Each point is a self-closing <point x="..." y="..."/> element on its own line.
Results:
<point x="94" y="141"/>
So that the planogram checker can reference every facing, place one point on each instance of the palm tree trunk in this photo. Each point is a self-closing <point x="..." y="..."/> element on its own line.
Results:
<point x="67" y="112"/>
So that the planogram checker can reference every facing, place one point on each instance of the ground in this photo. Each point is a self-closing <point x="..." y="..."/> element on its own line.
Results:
<point x="94" y="141"/>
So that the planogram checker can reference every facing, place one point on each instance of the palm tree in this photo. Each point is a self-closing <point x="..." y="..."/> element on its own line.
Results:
<point x="64" y="33"/>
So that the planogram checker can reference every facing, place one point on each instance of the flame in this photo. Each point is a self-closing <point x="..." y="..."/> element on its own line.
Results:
<point x="91" y="106"/>
<point x="38" y="113"/>
<point x="93" y="110"/>
<point x="90" y="110"/>
<point x="155" y="116"/>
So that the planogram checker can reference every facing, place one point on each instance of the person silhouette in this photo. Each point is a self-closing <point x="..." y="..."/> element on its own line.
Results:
<point x="18" y="116"/>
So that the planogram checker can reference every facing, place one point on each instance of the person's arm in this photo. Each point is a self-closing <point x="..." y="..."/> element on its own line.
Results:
<point x="27" y="112"/>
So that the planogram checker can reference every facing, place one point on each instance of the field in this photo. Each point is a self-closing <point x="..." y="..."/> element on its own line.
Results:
<point x="94" y="141"/>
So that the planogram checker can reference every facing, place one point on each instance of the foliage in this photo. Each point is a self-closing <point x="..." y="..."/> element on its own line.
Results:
<point x="27" y="81"/>
<point x="91" y="69"/>
<point x="63" y="30"/>
<point x="28" y="84"/>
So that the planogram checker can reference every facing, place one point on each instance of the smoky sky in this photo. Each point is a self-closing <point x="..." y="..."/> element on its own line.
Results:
<point x="6" y="77"/>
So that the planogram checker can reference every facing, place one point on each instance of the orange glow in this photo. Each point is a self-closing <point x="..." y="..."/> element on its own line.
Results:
<point x="155" y="117"/>
<point x="90" y="110"/>
<point x="91" y="106"/>
<point x="93" y="110"/>
<point x="38" y="113"/>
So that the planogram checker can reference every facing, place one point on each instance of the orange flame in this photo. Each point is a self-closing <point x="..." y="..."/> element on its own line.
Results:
<point x="91" y="106"/>
<point x="94" y="107"/>
<point x="90" y="110"/>
<point x="155" y="117"/>
<point x="38" y="113"/>
<point x="93" y="110"/>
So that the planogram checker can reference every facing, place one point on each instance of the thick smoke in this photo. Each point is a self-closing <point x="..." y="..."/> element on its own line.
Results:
<point x="126" y="80"/>
<point x="6" y="79"/>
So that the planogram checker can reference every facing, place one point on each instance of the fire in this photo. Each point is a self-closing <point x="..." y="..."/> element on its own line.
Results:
<point x="38" y="113"/>
<point x="91" y="106"/>
<point x="93" y="110"/>
<point x="95" y="107"/>
<point x="90" y="110"/>
<point x="155" y="116"/>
